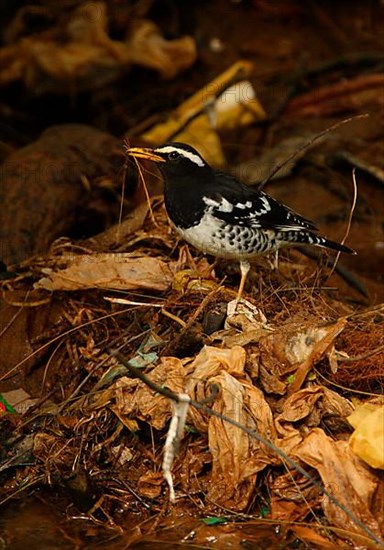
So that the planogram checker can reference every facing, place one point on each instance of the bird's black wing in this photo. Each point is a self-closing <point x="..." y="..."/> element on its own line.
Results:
<point x="236" y="203"/>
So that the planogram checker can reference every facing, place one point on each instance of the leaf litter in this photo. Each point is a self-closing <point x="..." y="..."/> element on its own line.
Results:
<point x="257" y="371"/>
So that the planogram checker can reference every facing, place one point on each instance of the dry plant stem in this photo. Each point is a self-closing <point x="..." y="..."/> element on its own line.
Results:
<point x="140" y="170"/>
<point x="369" y="312"/>
<point x="316" y="97"/>
<point x="121" y="202"/>
<point x="48" y="365"/>
<point x="65" y="333"/>
<point x="306" y="145"/>
<point x="334" y="33"/>
<point x="208" y="298"/>
<point x="340" y="269"/>
<point x="75" y="392"/>
<point x="343" y="388"/>
<point x="174" y="318"/>
<point x="349" y="222"/>
<point x="289" y="523"/>
<point x="126" y="302"/>
<point x="34" y="303"/>
<point x="22" y="488"/>
<point x="306" y="501"/>
<point x="370" y="169"/>
<point x="11" y="321"/>
<point x="351" y="280"/>
<point x="348" y="60"/>
<point x="252" y="433"/>
<point x="36" y="407"/>
<point x="362" y="356"/>
<point x="148" y="304"/>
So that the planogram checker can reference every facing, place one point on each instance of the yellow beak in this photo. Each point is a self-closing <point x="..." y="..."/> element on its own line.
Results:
<point x="144" y="153"/>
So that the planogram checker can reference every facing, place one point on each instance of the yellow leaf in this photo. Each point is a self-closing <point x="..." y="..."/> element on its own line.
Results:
<point x="367" y="441"/>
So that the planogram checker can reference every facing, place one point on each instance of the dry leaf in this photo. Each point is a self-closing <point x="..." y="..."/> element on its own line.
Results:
<point x="80" y="55"/>
<point x="314" y="539"/>
<point x="134" y="399"/>
<point x="308" y="406"/>
<point x="302" y="404"/>
<point x="321" y="341"/>
<point x="149" y="48"/>
<point x="209" y="363"/>
<point x="236" y="457"/>
<point x="296" y="347"/>
<point x="345" y="477"/>
<point x="270" y="383"/>
<point x="286" y="510"/>
<point x="121" y="271"/>
<point x="19" y="400"/>
<point x="244" y="324"/>
<point x="367" y="441"/>
<point x="119" y="232"/>
<point x="149" y="485"/>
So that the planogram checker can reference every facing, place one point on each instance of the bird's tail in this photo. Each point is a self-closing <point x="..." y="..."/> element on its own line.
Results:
<point x="333" y="245"/>
<point x="302" y="237"/>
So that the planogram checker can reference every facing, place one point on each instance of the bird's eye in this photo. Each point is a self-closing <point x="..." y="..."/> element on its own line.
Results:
<point x="174" y="155"/>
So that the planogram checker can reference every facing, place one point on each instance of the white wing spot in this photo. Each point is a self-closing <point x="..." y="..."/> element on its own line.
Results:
<point x="211" y="202"/>
<point x="266" y="203"/>
<point x="223" y="205"/>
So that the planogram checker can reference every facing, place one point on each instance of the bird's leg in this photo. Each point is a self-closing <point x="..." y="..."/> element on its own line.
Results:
<point x="245" y="266"/>
<point x="276" y="260"/>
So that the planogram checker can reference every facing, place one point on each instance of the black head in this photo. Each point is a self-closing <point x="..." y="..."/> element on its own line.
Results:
<point x="185" y="174"/>
<point x="174" y="159"/>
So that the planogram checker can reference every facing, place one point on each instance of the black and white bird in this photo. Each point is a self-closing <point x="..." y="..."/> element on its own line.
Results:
<point x="220" y="215"/>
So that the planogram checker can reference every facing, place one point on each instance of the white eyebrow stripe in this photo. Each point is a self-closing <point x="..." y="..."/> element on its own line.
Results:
<point x="186" y="154"/>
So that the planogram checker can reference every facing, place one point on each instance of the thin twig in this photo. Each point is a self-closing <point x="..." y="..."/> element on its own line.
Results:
<point x="56" y="338"/>
<point x="13" y="319"/>
<point x="348" y="224"/>
<point x="126" y="302"/>
<point x="121" y="202"/>
<point x="305" y="103"/>
<point x="141" y="175"/>
<point x="349" y="277"/>
<point x="344" y="388"/>
<point x="362" y="356"/>
<point x="173" y="317"/>
<point x="306" y="145"/>
<point x="208" y="298"/>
